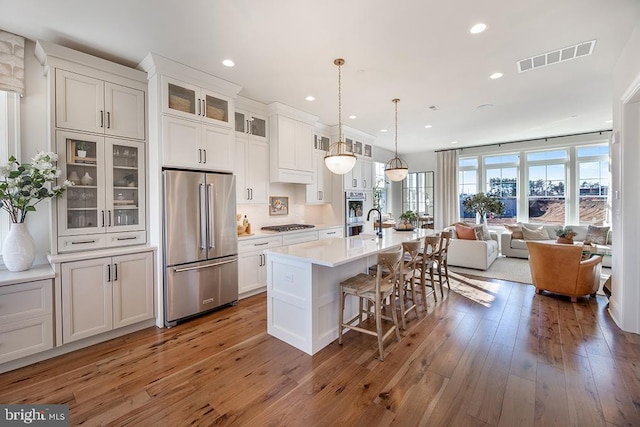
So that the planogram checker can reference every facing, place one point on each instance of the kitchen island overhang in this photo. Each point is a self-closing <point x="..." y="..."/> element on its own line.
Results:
<point x="303" y="283"/>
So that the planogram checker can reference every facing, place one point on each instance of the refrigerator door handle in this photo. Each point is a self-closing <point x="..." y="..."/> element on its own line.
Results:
<point x="203" y="222"/>
<point x="211" y="216"/>
<point x="180" y="270"/>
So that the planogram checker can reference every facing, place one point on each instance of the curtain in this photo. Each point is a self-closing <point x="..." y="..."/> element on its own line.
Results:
<point x="446" y="186"/>
<point x="11" y="63"/>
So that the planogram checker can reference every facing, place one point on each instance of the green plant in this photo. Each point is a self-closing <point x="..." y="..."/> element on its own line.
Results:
<point x="22" y="186"/>
<point x="409" y="215"/>
<point x="483" y="204"/>
<point x="565" y="232"/>
<point x="81" y="146"/>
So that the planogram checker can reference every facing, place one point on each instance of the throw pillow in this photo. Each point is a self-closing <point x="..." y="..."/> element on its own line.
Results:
<point x="465" y="233"/>
<point x="597" y="235"/>
<point x="482" y="231"/>
<point x="516" y="231"/>
<point x="537" y="234"/>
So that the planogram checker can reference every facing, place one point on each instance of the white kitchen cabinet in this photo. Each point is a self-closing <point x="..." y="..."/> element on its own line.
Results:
<point x="360" y="178"/>
<point x="102" y="294"/>
<point x="186" y="100"/>
<point x="301" y="237"/>
<point x="254" y="126"/>
<point x="190" y="144"/>
<point x="320" y="189"/>
<point x="330" y="233"/>
<point x="26" y="319"/>
<point x="252" y="171"/>
<point x="291" y="141"/>
<point x="93" y="105"/>
<point x="108" y="195"/>
<point x="252" y="265"/>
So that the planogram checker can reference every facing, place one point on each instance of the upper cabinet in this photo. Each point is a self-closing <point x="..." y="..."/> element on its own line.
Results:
<point x="93" y="105"/>
<point x="251" y="125"/>
<point x="291" y="144"/>
<point x="192" y="102"/>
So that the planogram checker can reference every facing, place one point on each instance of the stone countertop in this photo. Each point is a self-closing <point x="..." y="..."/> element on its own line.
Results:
<point x="335" y="252"/>
<point x="37" y="272"/>
<point x="259" y="233"/>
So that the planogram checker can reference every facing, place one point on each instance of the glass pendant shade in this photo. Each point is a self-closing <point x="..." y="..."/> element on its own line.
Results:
<point x="396" y="169"/>
<point x="337" y="159"/>
<point x="339" y="162"/>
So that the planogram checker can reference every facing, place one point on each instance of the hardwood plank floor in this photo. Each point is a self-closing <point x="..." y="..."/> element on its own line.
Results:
<point x="491" y="353"/>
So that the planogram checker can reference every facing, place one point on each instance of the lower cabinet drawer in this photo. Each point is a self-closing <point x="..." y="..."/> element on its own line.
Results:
<point x="81" y="243"/>
<point x="25" y="300"/>
<point x="25" y="337"/>
<point x="126" y="239"/>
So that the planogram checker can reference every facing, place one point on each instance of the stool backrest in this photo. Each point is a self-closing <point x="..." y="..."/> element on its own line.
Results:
<point x="445" y="240"/>
<point x="389" y="268"/>
<point x="411" y="252"/>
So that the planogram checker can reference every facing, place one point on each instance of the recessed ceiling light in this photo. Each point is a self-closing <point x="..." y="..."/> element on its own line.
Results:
<point x="310" y="98"/>
<point x="454" y="142"/>
<point x="478" y="28"/>
<point x="228" y="63"/>
<point x="383" y="130"/>
<point x="428" y="126"/>
<point x="352" y="116"/>
<point x="495" y="76"/>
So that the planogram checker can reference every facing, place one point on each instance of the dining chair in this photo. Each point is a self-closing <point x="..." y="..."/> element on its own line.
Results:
<point x="440" y="267"/>
<point x="373" y="290"/>
<point x="424" y="264"/>
<point x="406" y="284"/>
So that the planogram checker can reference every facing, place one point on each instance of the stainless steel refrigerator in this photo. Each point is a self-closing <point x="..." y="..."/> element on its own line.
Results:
<point x="200" y="243"/>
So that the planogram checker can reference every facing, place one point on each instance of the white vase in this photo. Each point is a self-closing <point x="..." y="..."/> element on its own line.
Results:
<point x="18" y="249"/>
<point x="86" y="179"/>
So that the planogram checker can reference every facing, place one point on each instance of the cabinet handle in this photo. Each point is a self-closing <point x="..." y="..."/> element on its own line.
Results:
<point x="204" y="108"/>
<point x="115" y="274"/>
<point x="205" y="156"/>
<point x="260" y="244"/>
<point x="101" y="118"/>
<point x="198" y="107"/>
<point x="365" y="197"/>
<point x="320" y="195"/>
<point x="127" y="238"/>
<point x="331" y="232"/>
<point x="108" y="120"/>
<point x="109" y="216"/>
<point x="102" y="213"/>
<point x="248" y="194"/>
<point x="364" y="184"/>
<point x="108" y="272"/>
<point x="83" y="242"/>
<point x="354" y="182"/>
<point x="199" y="155"/>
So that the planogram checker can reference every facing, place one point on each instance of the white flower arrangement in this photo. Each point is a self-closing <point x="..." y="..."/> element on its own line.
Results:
<point x="22" y="186"/>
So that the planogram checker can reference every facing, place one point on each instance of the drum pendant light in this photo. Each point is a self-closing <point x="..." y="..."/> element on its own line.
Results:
<point x="396" y="169"/>
<point x="338" y="159"/>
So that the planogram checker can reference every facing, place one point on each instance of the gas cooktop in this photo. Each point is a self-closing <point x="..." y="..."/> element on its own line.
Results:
<point x="287" y="227"/>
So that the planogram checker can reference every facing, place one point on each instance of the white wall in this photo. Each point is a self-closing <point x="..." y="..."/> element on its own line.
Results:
<point x="34" y="137"/>
<point x="625" y="298"/>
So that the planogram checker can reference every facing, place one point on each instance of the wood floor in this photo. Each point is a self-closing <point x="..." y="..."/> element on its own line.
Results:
<point x="490" y="353"/>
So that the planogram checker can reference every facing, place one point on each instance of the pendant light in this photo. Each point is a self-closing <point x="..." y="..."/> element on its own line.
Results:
<point x="396" y="169"/>
<point x="338" y="159"/>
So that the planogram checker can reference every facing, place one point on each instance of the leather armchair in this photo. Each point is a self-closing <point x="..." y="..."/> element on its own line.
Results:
<point x="559" y="268"/>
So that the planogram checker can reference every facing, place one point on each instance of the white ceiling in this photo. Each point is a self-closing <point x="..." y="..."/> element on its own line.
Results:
<point x="420" y="51"/>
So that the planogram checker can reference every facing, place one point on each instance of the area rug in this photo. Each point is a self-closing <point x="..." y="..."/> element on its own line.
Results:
<point x="514" y="270"/>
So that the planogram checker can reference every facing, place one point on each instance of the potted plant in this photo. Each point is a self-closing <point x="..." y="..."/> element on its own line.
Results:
<point x="407" y="221"/>
<point x="81" y="149"/>
<point x="22" y="186"/>
<point x="565" y="235"/>
<point x="483" y="204"/>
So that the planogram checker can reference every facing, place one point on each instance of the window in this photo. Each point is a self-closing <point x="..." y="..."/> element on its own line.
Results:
<point x="9" y="127"/>
<point x="547" y="186"/>
<point x="593" y="182"/>
<point x="467" y="184"/>
<point x="380" y="188"/>
<point x="501" y="181"/>
<point x="417" y="194"/>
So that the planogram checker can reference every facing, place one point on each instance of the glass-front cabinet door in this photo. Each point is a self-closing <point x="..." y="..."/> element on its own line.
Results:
<point x="125" y="179"/>
<point x="81" y="210"/>
<point x="190" y="101"/>
<point x="250" y="124"/>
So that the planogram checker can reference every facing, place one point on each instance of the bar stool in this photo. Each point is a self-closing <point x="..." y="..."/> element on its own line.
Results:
<point x="440" y="267"/>
<point x="374" y="290"/>
<point x="425" y="264"/>
<point x="411" y="254"/>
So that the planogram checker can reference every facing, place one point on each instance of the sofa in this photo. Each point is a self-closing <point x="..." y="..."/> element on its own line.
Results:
<point x="559" y="268"/>
<point x="478" y="254"/>
<point x="517" y="247"/>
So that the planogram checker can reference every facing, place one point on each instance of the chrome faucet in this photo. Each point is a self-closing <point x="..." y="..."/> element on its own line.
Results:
<point x="379" y="232"/>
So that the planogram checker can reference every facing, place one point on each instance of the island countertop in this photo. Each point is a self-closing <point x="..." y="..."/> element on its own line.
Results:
<point x="339" y="251"/>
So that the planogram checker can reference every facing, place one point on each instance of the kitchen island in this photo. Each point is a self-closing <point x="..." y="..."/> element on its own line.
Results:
<point x="303" y="282"/>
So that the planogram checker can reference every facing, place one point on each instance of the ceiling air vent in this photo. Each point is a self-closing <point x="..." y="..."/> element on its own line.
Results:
<point x="560" y="55"/>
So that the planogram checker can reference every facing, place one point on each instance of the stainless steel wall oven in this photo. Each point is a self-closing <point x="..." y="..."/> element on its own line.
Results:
<point x="354" y="212"/>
